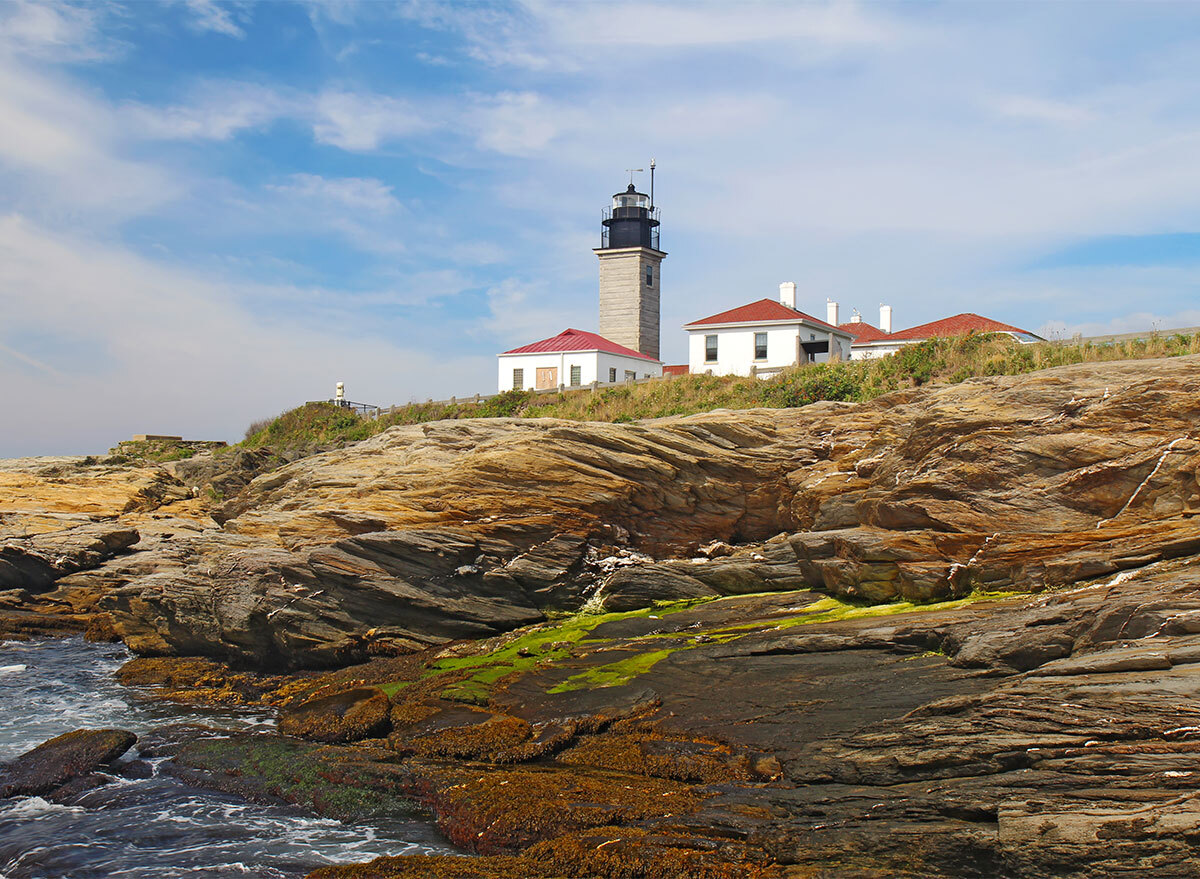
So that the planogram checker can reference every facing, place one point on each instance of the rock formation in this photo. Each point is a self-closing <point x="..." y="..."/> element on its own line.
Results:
<point x="468" y="528"/>
<point x="951" y="632"/>
<point x="63" y="759"/>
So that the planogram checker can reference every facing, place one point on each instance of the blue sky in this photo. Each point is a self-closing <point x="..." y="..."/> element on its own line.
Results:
<point x="211" y="212"/>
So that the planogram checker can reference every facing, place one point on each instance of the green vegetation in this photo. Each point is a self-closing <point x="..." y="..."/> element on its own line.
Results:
<point x="824" y="610"/>
<point x="286" y="768"/>
<point x="471" y="678"/>
<point x="614" y="673"/>
<point x="309" y="426"/>
<point x="154" y="451"/>
<point x="934" y="361"/>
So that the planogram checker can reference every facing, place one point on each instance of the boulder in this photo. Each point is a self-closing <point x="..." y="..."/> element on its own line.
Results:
<point x="54" y="763"/>
<point x="348" y="716"/>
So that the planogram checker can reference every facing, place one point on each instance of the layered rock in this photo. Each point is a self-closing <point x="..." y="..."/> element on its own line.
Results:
<point x="466" y="528"/>
<point x="782" y="735"/>
<point x="62" y="760"/>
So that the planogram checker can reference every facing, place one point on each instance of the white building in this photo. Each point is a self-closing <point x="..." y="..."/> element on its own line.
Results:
<point x="871" y="342"/>
<point x="573" y="358"/>
<point x="763" y="335"/>
<point x="630" y="283"/>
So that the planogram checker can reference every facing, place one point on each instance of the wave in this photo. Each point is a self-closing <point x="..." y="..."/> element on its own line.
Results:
<point x="34" y="807"/>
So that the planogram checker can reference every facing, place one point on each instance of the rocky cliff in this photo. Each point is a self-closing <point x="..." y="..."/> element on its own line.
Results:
<point x="463" y="529"/>
<point x="951" y="632"/>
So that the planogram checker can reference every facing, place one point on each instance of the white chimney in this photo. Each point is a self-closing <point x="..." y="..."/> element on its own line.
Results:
<point x="856" y="318"/>
<point x="885" y="318"/>
<point x="831" y="312"/>
<point x="787" y="293"/>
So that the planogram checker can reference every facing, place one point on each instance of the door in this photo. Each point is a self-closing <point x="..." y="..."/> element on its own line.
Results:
<point x="547" y="377"/>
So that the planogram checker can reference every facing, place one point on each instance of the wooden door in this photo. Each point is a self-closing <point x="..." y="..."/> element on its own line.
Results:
<point x="547" y="377"/>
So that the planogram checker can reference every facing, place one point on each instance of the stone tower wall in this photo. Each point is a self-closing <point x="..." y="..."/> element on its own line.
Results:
<point x="629" y="310"/>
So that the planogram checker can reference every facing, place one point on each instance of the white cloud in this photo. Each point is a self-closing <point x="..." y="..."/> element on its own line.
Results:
<point x="663" y="25"/>
<point x="54" y="30"/>
<point x="361" y="122"/>
<point x="516" y="123"/>
<point x="545" y="35"/>
<point x="522" y="311"/>
<point x="1043" y="110"/>
<point x="29" y="361"/>
<point x="353" y="193"/>
<point x="1134" y="322"/>
<point x="67" y="160"/>
<point x="151" y="348"/>
<point x="215" y="17"/>
<point x="217" y="112"/>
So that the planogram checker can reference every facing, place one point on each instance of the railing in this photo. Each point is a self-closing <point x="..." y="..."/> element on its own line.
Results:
<point x="607" y="214"/>
<point x="360" y="408"/>
<point x="1079" y="339"/>
<point x="382" y="412"/>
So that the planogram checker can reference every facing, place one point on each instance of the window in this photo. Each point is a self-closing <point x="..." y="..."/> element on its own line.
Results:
<point x="760" y="346"/>
<point x="710" y="349"/>
<point x="612" y="374"/>
<point x="576" y="376"/>
<point x="646" y="375"/>
<point x="649" y="276"/>
<point x="630" y="375"/>
<point x="518" y="379"/>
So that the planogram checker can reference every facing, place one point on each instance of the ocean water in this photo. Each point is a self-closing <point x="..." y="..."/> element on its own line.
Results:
<point x="157" y="827"/>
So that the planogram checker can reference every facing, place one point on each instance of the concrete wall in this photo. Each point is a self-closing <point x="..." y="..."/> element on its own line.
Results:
<point x="629" y="309"/>
<point x="735" y="348"/>
<point x="864" y="352"/>
<point x="594" y="367"/>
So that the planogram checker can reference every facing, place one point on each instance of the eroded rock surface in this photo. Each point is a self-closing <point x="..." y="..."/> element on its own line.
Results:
<point x="63" y="759"/>
<point x="788" y="735"/>
<point x="467" y="528"/>
<point x="953" y="632"/>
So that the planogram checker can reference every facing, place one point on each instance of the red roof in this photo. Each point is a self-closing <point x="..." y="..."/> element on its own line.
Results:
<point x="682" y="369"/>
<point x="863" y="331"/>
<point x="578" y="340"/>
<point x="763" y="310"/>
<point x="958" y="325"/>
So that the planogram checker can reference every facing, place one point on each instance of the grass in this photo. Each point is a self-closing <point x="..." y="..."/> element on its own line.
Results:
<point x="949" y="360"/>
<point x="310" y="426"/>
<point x="152" y="451"/>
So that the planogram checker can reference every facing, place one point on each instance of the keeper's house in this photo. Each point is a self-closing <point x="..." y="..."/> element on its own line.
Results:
<point x="573" y="358"/>
<point x="763" y="335"/>
<point x="871" y="342"/>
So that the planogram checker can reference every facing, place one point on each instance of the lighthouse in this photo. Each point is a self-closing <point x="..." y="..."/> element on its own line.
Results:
<point x="630" y="261"/>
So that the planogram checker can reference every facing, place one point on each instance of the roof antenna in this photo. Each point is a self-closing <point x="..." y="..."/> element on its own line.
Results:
<point x="652" y="185"/>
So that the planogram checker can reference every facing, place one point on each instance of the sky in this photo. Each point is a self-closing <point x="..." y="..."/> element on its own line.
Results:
<point x="211" y="212"/>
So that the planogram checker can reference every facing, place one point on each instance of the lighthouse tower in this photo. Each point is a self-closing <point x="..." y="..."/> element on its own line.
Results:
<point x="629" y="271"/>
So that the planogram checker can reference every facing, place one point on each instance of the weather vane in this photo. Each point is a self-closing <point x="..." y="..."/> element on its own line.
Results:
<point x="633" y="171"/>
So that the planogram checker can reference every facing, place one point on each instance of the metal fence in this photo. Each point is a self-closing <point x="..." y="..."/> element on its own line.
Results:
<point x="383" y="411"/>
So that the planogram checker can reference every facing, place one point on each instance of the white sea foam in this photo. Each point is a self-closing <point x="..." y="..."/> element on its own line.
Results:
<point x="34" y="807"/>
